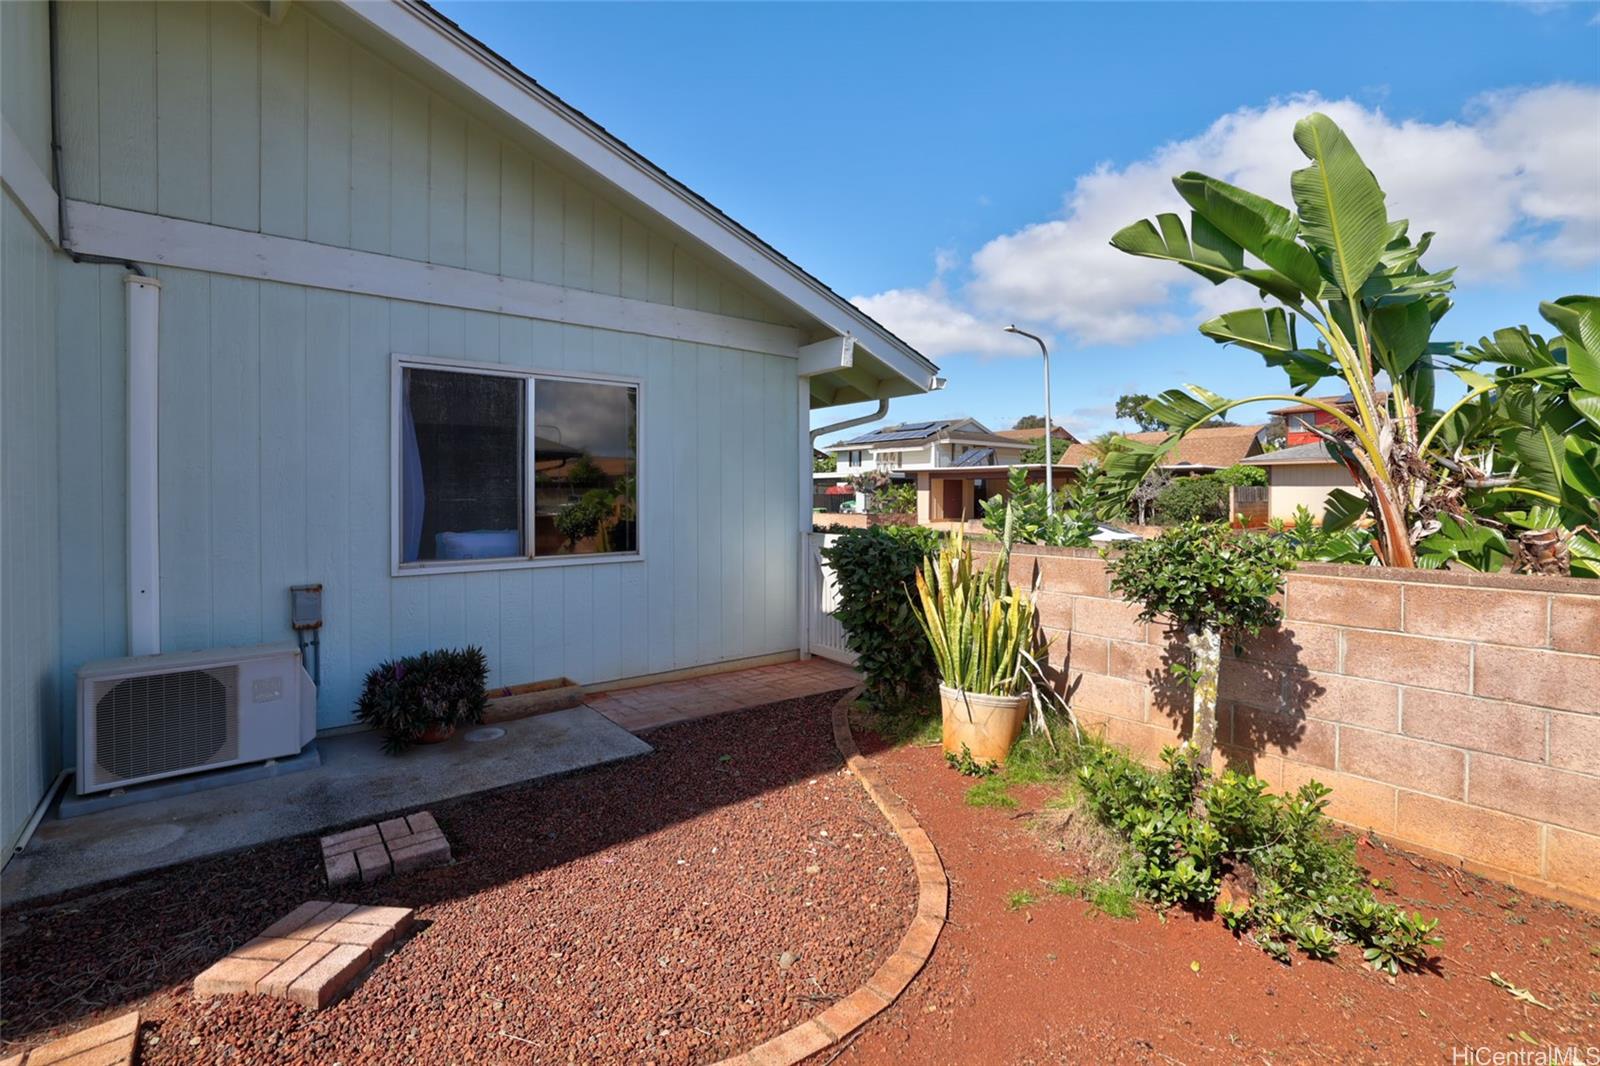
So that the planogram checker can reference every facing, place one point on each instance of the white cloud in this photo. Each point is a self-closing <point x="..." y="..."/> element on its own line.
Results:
<point x="1514" y="182"/>
<point x="931" y="323"/>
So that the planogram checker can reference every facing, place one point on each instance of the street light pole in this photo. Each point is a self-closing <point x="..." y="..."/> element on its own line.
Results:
<point x="1049" y="433"/>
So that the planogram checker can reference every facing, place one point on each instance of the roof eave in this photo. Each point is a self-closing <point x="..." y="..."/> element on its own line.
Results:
<point x="457" y="55"/>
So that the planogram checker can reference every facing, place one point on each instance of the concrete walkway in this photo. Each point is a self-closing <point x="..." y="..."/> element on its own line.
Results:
<point x="356" y="782"/>
<point x="650" y="706"/>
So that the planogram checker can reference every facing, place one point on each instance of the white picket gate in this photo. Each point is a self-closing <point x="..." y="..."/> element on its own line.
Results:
<point x="826" y="634"/>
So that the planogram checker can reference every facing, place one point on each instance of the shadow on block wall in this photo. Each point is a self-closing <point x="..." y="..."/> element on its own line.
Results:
<point x="1261" y="705"/>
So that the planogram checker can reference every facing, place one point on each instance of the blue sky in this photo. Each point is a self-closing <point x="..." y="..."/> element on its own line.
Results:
<point x="959" y="166"/>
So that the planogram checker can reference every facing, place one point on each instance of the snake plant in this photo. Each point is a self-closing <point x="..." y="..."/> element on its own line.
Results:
<point x="981" y="631"/>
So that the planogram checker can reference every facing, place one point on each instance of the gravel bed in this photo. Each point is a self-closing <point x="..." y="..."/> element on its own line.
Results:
<point x="678" y="907"/>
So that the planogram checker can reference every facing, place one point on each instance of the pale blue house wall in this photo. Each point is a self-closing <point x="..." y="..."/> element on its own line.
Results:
<point x="275" y="470"/>
<point x="275" y="398"/>
<point x="29" y="592"/>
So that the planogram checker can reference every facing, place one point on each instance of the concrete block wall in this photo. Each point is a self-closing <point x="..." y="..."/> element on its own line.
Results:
<point x="1458" y="714"/>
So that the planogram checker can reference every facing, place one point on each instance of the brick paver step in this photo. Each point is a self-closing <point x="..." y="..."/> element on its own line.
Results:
<point x="392" y="846"/>
<point x="308" y="956"/>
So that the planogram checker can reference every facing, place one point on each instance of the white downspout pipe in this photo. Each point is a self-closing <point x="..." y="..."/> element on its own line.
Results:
<point x="144" y="516"/>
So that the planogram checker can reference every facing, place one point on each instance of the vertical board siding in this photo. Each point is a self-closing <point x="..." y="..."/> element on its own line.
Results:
<point x="274" y="423"/>
<point x="207" y="112"/>
<point x="29" y="520"/>
<point x="274" y="435"/>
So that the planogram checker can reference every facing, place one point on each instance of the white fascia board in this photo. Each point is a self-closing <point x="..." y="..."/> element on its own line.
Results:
<point x="834" y="353"/>
<point x="28" y="182"/>
<point x="157" y="239"/>
<point x="458" y="57"/>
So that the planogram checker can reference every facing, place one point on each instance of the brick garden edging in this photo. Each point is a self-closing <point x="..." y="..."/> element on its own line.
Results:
<point x="113" y="1043"/>
<point x="890" y="979"/>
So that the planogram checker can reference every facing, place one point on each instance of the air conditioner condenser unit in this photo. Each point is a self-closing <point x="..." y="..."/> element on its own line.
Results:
<point x="154" y="716"/>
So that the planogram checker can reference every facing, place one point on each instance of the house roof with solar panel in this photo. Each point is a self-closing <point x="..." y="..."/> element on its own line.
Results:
<point x="911" y="446"/>
<point x="912" y="434"/>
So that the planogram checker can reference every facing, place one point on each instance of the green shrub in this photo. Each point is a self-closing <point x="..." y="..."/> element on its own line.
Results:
<point x="897" y="498"/>
<point x="1309" y="889"/>
<point x="1031" y="521"/>
<point x="876" y="569"/>
<point x="407" y="697"/>
<point x="1240" y="474"/>
<point x="1188" y="499"/>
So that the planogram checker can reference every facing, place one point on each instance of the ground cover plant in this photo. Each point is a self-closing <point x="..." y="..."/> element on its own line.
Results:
<point x="1290" y="878"/>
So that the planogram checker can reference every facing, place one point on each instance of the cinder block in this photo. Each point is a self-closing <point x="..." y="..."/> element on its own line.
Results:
<point x="1539" y="792"/>
<point x="393" y="828"/>
<point x="372" y="937"/>
<point x="1501" y="840"/>
<point x="1482" y="725"/>
<point x="275" y="948"/>
<point x="1543" y="678"/>
<point x="1424" y="662"/>
<point x="1343" y="601"/>
<point x="1575" y="624"/>
<point x="1495" y="616"/>
<point x="1412" y="764"/>
<point x="118" y="1037"/>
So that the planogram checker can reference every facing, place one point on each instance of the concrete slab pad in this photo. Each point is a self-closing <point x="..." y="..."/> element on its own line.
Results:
<point x="355" y="781"/>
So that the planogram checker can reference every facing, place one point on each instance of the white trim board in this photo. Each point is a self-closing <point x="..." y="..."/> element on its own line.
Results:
<point x="424" y="34"/>
<point x="146" y="238"/>
<point x="28" y="182"/>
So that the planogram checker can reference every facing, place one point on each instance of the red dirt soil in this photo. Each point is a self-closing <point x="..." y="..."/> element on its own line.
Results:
<point x="1060" y="982"/>
<point x="633" y="913"/>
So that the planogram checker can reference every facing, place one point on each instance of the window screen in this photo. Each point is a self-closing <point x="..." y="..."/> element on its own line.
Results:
<point x="461" y="479"/>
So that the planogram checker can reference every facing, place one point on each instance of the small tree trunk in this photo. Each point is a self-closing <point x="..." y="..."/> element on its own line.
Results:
<point x="1205" y="650"/>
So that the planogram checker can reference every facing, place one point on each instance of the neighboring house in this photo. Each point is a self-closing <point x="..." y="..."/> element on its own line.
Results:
<point x="1301" y="476"/>
<point x="1200" y="451"/>
<point x="1302" y="473"/>
<point x="361" y="304"/>
<point x="1028" y="436"/>
<point x="911" y="446"/>
<point x="955" y="493"/>
<point x="910" y="450"/>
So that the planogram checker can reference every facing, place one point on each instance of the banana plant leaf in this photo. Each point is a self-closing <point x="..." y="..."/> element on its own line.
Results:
<point x="1342" y="213"/>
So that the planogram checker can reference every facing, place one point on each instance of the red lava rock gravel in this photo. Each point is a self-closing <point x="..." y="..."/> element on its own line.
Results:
<point x="1058" y="982"/>
<point x="678" y="907"/>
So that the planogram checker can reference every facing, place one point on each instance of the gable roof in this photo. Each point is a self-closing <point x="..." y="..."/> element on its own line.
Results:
<point x="902" y="431"/>
<point x="1058" y="432"/>
<point x="1212" y="448"/>
<point x="481" y="73"/>
<point x="1315" y="452"/>
<point x="1346" y="400"/>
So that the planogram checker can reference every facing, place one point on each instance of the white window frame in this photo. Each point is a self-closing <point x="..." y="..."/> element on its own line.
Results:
<point x="400" y="363"/>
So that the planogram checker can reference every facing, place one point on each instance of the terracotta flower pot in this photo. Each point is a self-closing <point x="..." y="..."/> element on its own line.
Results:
<point x="987" y="725"/>
<point x="436" y="733"/>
